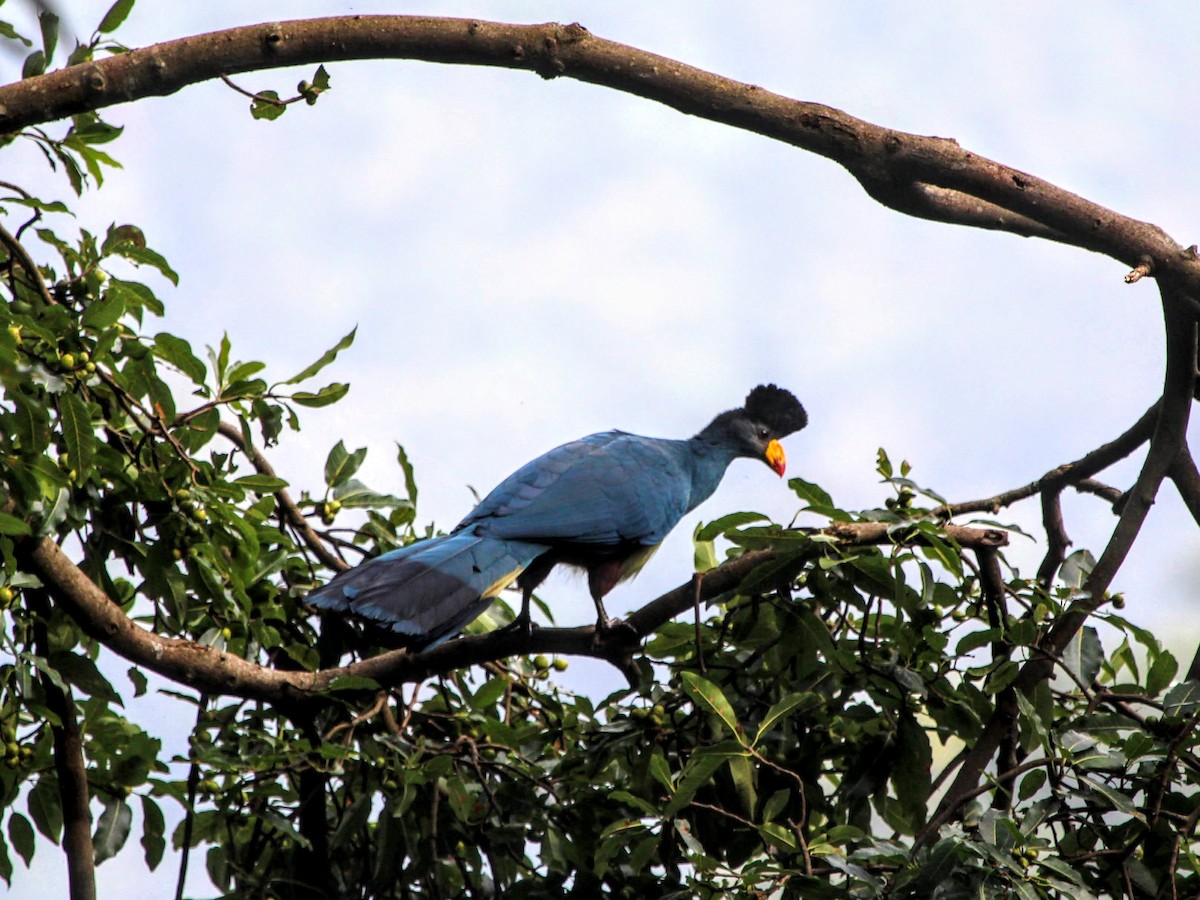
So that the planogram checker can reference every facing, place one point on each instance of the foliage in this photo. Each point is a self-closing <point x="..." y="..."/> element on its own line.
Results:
<point x="795" y="742"/>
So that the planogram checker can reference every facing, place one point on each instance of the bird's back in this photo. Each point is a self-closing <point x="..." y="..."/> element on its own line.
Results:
<point x="607" y="489"/>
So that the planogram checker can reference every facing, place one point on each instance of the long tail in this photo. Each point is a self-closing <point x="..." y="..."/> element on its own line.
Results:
<point x="432" y="589"/>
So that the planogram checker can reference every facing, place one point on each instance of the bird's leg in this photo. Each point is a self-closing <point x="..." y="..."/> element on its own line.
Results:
<point x="524" y="621"/>
<point x="603" y="578"/>
<point x="528" y="581"/>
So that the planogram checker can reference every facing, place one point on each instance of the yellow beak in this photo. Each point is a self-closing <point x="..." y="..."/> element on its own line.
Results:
<point x="776" y="458"/>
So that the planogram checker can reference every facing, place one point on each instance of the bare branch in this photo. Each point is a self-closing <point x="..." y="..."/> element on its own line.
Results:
<point x="930" y="177"/>
<point x="1069" y="473"/>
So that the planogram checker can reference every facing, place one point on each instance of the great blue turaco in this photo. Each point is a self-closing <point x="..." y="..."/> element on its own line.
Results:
<point x="602" y="504"/>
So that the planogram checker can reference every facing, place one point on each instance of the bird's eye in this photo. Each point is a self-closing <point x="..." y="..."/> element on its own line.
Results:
<point x="763" y="433"/>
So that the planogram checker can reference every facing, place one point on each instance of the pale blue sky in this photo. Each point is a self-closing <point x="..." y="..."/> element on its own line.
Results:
<point x="530" y="261"/>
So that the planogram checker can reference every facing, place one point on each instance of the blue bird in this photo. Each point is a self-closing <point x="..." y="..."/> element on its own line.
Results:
<point x="602" y="504"/>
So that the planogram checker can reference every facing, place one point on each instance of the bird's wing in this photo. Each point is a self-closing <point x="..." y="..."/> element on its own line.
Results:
<point x="611" y="488"/>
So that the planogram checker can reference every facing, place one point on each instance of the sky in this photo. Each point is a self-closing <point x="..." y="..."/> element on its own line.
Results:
<point x="530" y="261"/>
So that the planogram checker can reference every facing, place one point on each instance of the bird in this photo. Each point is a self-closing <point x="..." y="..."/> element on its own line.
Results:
<point x="601" y="504"/>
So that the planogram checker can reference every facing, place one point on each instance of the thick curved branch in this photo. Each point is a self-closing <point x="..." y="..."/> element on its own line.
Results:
<point x="216" y="672"/>
<point x="922" y="176"/>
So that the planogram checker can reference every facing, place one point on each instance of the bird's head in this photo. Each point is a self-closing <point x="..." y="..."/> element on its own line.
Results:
<point x="754" y="430"/>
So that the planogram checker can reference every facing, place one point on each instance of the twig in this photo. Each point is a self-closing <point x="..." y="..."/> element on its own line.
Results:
<point x="287" y="506"/>
<point x="1069" y="473"/>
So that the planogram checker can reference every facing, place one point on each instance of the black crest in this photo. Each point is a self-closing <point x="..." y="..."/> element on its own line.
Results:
<point x="776" y="408"/>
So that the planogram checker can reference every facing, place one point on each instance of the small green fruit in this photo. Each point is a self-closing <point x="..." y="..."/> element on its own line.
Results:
<point x="68" y="360"/>
<point x="560" y="665"/>
<point x="541" y="661"/>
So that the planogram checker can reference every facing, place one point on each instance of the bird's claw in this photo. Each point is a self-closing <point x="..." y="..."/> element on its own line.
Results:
<point x="522" y="625"/>
<point x="617" y="632"/>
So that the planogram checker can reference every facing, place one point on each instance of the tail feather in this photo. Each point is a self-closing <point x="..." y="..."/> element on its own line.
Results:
<point x="432" y="589"/>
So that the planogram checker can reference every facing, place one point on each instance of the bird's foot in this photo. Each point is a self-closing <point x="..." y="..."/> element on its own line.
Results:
<point x="522" y="625"/>
<point x="615" y="633"/>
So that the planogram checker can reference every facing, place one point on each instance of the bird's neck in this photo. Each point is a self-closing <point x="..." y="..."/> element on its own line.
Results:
<point x="709" y="461"/>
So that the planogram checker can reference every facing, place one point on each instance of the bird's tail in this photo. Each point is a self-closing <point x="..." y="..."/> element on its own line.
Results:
<point x="430" y="590"/>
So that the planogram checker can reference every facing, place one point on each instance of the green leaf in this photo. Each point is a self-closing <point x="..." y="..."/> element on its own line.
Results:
<point x="784" y="706"/>
<point x="1084" y="654"/>
<point x="144" y="256"/>
<point x="704" y="553"/>
<point x="1183" y="699"/>
<point x="1032" y="783"/>
<point x="261" y="484"/>
<point x="7" y="31"/>
<point x="266" y="105"/>
<point x="138" y="677"/>
<point x="775" y="804"/>
<point x="661" y="770"/>
<point x="778" y="835"/>
<point x="341" y="465"/>
<point x="105" y="313"/>
<point x="356" y="495"/>
<point x="1162" y="672"/>
<point x="10" y="524"/>
<point x="45" y="808"/>
<point x="741" y="772"/>
<point x="178" y="353"/>
<point x="82" y="673"/>
<point x="911" y="775"/>
<point x="34" y="65"/>
<point x="720" y="526"/>
<point x="112" y="830"/>
<point x="77" y="432"/>
<point x="115" y="16"/>
<point x="410" y="481"/>
<point x="326" y="358"/>
<point x="709" y="696"/>
<point x="327" y="395"/>
<point x="48" y="23"/>
<point x="20" y="832"/>
<point x="1076" y="568"/>
<point x="696" y="774"/>
<point x="153" y="831"/>
<point x="1116" y="799"/>
<point x="353" y="683"/>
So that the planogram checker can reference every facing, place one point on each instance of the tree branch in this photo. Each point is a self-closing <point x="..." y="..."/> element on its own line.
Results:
<point x="70" y="768"/>
<point x="1072" y="473"/>
<point x="216" y="672"/>
<point x="930" y="177"/>
<point x="1166" y="444"/>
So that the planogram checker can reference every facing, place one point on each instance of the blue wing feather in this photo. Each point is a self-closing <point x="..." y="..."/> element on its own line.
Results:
<point x="429" y="590"/>
<point x="610" y="488"/>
